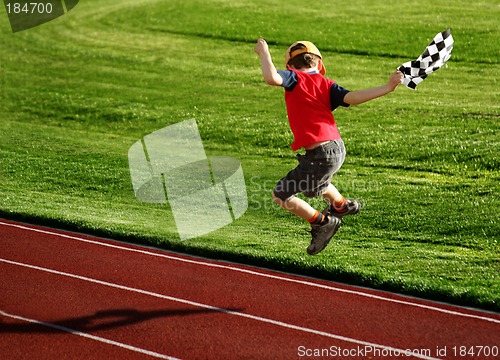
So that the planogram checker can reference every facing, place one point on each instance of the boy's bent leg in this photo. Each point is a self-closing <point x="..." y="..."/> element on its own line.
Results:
<point x="296" y="206"/>
<point x="339" y="206"/>
<point x="323" y="227"/>
<point x="332" y="195"/>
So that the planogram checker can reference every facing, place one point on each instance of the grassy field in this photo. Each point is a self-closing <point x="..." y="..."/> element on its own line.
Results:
<point x="77" y="92"/>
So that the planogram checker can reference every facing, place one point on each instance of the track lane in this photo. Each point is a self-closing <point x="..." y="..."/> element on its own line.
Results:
<point x="140" y="320"/>
<point x="346" y="314"/>
<point x="253" y="335"/>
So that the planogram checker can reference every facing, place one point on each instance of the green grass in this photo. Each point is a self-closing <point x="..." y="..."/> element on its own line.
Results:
<point x="77" y="92"/>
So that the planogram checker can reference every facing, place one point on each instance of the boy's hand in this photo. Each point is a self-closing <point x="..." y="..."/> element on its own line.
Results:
<point x="261" y="47"/>
<point x="269" y="72"/>
<point x="395" y="79"/>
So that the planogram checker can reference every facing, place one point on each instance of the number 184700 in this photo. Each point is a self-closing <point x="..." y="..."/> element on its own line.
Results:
<point x="29" y="8"/>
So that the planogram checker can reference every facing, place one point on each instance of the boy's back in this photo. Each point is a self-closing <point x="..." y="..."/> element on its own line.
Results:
<point x="308" y="98"/>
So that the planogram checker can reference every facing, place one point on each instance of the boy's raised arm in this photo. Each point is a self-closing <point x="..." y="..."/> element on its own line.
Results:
<point x="269" y="72"/>
<point x="361" y="96"/>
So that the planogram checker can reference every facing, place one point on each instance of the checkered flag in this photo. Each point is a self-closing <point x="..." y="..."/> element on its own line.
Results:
<point x="434" y="56"/>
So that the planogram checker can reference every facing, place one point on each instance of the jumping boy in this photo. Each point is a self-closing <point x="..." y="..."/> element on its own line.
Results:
<point x="310" y="99"/>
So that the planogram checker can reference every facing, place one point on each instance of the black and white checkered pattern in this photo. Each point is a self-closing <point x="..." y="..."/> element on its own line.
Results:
<point x="434" y="56"/>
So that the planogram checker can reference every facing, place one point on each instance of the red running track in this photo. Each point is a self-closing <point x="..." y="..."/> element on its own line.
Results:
<point x="72" y="296"/>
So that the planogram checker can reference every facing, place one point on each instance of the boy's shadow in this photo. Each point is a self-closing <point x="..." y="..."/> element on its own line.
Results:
<point x="102" y="320"/>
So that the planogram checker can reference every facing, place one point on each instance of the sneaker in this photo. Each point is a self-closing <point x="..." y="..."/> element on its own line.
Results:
<point x="322" y="234"/>
<point x="353" y="207"/>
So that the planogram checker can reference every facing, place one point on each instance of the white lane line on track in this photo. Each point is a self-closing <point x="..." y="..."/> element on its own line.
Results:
<point x="256" y="273"/>
<point x="89" y="336"/>
<point x="390" y="349"/>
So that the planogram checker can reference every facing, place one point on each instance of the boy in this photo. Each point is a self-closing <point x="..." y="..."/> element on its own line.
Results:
<point x="310" y="99"/>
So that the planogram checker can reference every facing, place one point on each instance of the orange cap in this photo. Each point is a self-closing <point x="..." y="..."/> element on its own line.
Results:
<point x="310" y="48"/>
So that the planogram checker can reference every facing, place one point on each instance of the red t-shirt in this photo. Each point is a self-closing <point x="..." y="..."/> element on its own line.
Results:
<point x="310" y="99"/>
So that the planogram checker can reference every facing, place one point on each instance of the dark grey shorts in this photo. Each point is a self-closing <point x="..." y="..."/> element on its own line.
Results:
<point x="314" y="172"/>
